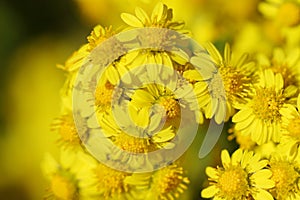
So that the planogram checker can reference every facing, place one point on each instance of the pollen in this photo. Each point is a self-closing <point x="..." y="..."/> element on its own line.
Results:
<point x="171" y="106"/>
<point x="287" y="74"/>
<point x="63" y="188"/>
<point x="171" y="180"/>
<point x="110" y="181"/>
<point x="67" y="130"/>
<point x="134" y="144"/>
<point x="288" y="14"/>
<point x="233" y="182"/>
<point x="235" y="82"/>
<point x="285" y="177"/>
<point x="267" y="103"/>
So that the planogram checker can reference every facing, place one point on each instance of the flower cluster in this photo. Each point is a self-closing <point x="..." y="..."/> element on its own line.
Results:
<point x="140" y="100"/>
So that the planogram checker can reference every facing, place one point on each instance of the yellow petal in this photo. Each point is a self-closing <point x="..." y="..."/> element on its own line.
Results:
<point x="225" y="157"/>
<point x="209" y="192"/>
<point x="142" y="15"/>
<point x="211" y="172"/>
<point x="262" y="194"/>
<point x="131" y="20"/>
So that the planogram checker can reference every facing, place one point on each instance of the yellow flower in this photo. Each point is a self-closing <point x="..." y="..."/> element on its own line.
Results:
<point x="286" y="175"/>
<point x="244" y="141"/>
<point x="242" y="177"/>
<point x="110" y="183"/>
<point x="168" y="183"/>
<point x="285" y="63"/>
<point x="161" y="17"/>
<point x="68" y="177"/>
<point x="229" y="88"/>
<point x="283" y="12"/>
<point x="291" y="126"/>
<point x="260" y="117"/>
<point x="68" y="136"/>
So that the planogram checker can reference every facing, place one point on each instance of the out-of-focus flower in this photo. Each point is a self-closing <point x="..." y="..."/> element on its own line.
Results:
<point x="283" y="12"/>
<point x="67" y="176"/>
<point x="242" y="177"/>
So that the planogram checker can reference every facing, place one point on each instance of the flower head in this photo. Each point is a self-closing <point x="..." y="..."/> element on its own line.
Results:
<point x="161" y="17"/>
<point x="229" y="87"/>
<point x="68" y="136"/>
<point x="286" y="175"/>
<point x="168" y="183"/>
<point x="242" y="177"/>
<point x="260" y="117"/>
<point x="68" y="177"/>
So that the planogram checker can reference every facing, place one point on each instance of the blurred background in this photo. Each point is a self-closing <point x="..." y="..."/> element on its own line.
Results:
<point x="37" y="35"/>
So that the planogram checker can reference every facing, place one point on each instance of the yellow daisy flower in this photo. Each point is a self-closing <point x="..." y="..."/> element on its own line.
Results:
<point x="242" y="177"/>
<point x="161" y="17"/>
<point x="287" y="64"/>
<point x="229" y="88"/>
<point x="110" y="183"/>
<point x="286" y="175"/>
<point x="260" y="117"/>
<point x="291" y="126"/>
<point x="67" y="177"/>
<point x="68" y="136"/>
<point x="283" y="12"/>
<point x="168" y="183"/>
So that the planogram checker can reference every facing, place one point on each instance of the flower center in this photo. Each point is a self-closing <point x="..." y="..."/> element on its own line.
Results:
<point x="288" y="14"/>
<point x="110" y="181"/>
<point x="294" y="128"/>
<point x="288" y="76"/>
<point x="103" y="95"/>
<point x="63" y="188"/>
<point x="68" y="131"/>
<point x="267" y="103"/>
<point x="285" y="177"/>
<point x="171" y="107"/>
<point x="134" y="144"/>
<point x="233" y="182"/>
<point x="235" y="83"/>
<point x="171" y="180"/>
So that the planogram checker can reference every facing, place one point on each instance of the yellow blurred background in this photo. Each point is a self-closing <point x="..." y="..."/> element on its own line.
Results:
<point x="36" y="35"/>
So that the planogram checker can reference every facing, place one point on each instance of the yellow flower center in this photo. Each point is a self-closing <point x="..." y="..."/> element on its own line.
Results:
<point x="110" y="181"/>
<point x="294" y="128"/>
<point x="170" y="180"/>
<point x="233" y="182"/>
<point x="288" y="14"/>
<point x="285" y="177"/>
<point x="288" y="76"/>
<point x="267" y="103"/>
<point x="236" y="84"/>
<point x="68" y="131"/>
<point x="103" y="95"/>
<point x="171" y="106"/>
<point x="63" y="188"/>
<point x="134" y="144"/>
